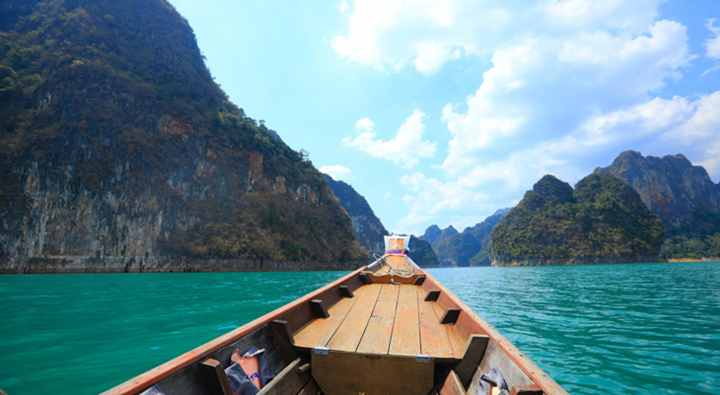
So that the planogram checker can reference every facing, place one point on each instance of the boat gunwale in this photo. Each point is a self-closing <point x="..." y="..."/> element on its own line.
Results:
<point x="536" y="374"/>
<point x="153" y="376"/>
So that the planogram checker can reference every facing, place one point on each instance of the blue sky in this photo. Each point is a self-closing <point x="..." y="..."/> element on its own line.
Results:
<point x="443" y="112"/>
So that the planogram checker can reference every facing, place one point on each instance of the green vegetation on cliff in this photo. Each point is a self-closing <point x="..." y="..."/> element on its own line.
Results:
<point x="116" y="141"/>
<point x="681" y="194"/>
<point x="368" y="229"/>
<point x="602" y="220"/>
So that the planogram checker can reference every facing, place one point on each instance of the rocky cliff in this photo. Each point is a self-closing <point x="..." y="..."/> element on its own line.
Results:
<point x="601" y="220"/>
<point x="368" y="228"/>
<point x="118" y="152"/>
<point x="467" y="248"/>
<point x="681" y="194"/>
<point x="422" y="253"/>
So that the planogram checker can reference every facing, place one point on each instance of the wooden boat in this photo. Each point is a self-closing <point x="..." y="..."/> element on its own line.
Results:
<point x="386" y="328"/>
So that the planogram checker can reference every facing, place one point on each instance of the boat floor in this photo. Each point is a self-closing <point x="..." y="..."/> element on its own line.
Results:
<point x="385" y="319"/>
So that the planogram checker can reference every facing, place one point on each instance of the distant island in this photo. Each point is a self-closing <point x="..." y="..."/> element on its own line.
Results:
<point x="603" y="222"/>
<point x="471" y="247"/>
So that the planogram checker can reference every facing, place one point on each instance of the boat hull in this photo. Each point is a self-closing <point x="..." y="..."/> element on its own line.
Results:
<point x="367" y="332"/>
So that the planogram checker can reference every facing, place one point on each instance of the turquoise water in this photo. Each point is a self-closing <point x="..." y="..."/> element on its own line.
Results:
<point x="648" y="329"/>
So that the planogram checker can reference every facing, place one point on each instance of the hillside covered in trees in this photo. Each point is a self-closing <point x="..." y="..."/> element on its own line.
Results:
<point x="601" y="220"/>
<point x="681" y="194"/>
<point x="118" y="151"/>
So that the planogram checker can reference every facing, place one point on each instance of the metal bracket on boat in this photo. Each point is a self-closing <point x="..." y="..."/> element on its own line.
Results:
<point x="423" y="358"/>
<point x="321" y="350"/>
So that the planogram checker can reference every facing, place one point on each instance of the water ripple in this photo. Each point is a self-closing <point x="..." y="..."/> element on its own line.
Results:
<point x="651" y="328"/>
<point x="596" y="329"/>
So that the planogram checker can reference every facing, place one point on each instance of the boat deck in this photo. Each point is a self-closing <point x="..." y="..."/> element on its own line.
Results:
<point x="386" y="328"/>
<point x="385" y="319"/>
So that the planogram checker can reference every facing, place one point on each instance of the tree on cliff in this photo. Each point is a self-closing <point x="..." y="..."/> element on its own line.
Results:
<point x="115" y="141"/>
<point x="602" y="220"/>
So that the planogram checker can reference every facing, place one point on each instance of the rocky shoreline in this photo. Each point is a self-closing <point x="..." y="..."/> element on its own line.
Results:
<point x="574" y="261"/>
<point x="159" y="264"/>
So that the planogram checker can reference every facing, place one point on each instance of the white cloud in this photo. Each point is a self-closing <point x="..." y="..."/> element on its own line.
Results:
<point x="426" y="34"/>
<point x="543" y="87"/>
<point x="337" y="172"/>
<point x="343" y="6"/>
<point x="394" y="34"/>
<point x="699" y="135"/>
<point x="429" y="197"/>
<point x="406" y="148"/>
<point x="631" y="16"/>
<point x="712" y="45"/>
<point x="570" y="84"/>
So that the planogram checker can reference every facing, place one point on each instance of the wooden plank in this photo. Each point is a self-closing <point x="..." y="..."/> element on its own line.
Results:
<point x="219" y="384"/>
<point x="432" y="296"/>
<point x="473" y="355"/>
<point x="318" y="308"/>
<point x="342" y="373"/>
<point x="288" y="381"/>
<point x="283" y="340"/>
<point x="345" y="291"/>
<point x="365" y="278"/>
<point x="392" y="279"/>
<point x="455" y="336"/>
<point x="319" y="332"/>
<point x="348" y="335"/>
<point x="378" y="333"/>
<point x="530" y="389"/>
<point x="434" y="339"/>
<point x="406" y="329"/>
<point x="451" y="316"/>
<point x="452" y="385"/>
<point x="311" y="388"/>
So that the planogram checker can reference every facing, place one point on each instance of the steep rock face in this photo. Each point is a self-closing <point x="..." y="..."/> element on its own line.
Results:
<point x="432" y="234"/>
<point x="602" y="220"/>
<point x="683" y="195"/>
<point x="422" y="253"/>
<point x="468" y="248"/>
<point x="119" y="152"/>
<point x="483" y="233"/>
<point x="367" y="227"/>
